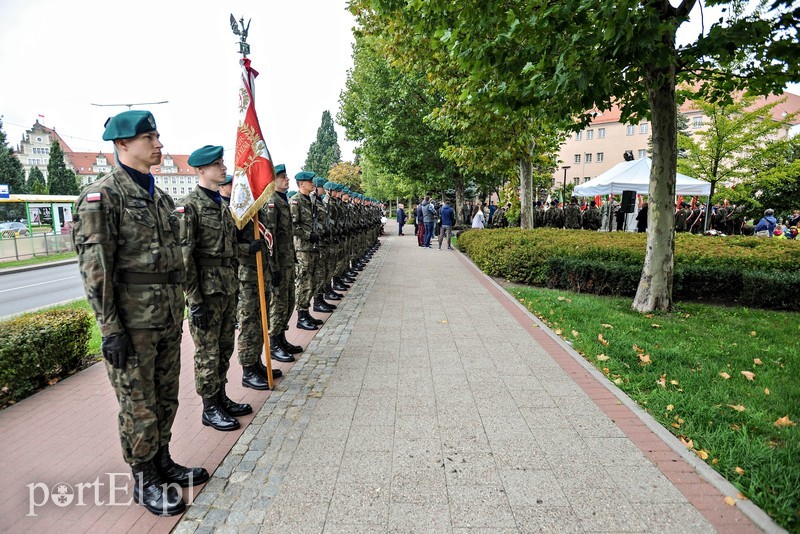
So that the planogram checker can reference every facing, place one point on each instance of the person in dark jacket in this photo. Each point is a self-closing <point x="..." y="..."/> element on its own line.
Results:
<point x="420" y="225"/>
<point x="641" y="219"/>
<point x="401" y="219"/>
<point x="766" y="225"/>
<point x="448" y="217"/>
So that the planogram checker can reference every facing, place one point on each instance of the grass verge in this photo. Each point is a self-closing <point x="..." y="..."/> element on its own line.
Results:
<point x="722" y="379"/>
<point x="37" y="260"/>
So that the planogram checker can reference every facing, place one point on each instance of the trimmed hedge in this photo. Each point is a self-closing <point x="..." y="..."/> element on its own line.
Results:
<point x="38" y="346"/>
<point x="748" y="270"/>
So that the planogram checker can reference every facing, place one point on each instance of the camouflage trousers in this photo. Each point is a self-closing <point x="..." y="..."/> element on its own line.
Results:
<point x="147" y="392"/>
<point x="282" y="302"/>
<point x="214" y="345"/>
<point x="322" y="272"/>
<point x="251" y="335"/>
<point x="305" y="277"/>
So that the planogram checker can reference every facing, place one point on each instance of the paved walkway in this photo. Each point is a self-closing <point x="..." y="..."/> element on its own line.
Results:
<point x="429" y="402"/>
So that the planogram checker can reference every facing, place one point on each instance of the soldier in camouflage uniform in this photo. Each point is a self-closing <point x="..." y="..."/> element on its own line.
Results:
<point x="592" y="219"/>
<point x="681" y="216"/>
<point x="572" y="215"/>
<point x="322" y="274"/>
<point x="209" y="256"/>
<point x="279" y="224"/>
<point x="553" y="217"/>
<point x="127" y="239"/>
<point x="333" y="223"/>
<point x="306" y="244"/>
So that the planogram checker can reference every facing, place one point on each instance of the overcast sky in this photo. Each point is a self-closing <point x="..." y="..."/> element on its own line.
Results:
<point x="58" y="57"/>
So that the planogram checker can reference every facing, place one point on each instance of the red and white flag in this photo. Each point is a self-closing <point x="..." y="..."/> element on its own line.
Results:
<point x="253" y="173"/>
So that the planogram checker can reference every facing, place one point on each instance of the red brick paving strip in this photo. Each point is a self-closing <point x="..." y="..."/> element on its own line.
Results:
<point x="705" y="497"/>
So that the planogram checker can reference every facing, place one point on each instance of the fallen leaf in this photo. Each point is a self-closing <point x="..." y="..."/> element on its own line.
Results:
<point x="737" y="407"/>
<point x="645" y="359"/>
<point x="637" y="349"/>
<point x="444" y="322"/>
<point x="766" y="391"/>
<point x="740" y="496"/>
<point x="753" y="333"/>
<point x="562" y="298"/>
<point x="670" y="407"/>
<point x="735" y="427"/>
<point x="53" y="381"/>
<point x="730" y="501"/>
<point x="687" y="315"/>
<point x="725" y="375"/>
<point x="702" y="454"/>
<point x="687" y="442"/>
<point x="654" y="325"/>
<point x="715" y="461"/>
<point x="662" y="382"/>
<point x="618" y="381"/>
<point x="739" y="470"/>
<point x="676" y="425"/>
<point x="784" y="421"/>
<point x="602" y="340"/>
<point x="602" y="358"/>
<point x="557" y="332"/>
<point x="574" y="333"/>
<point x="568" y="300"/>
<point x="757" y="361"/>
<point x="606" y="370"/>
<point x="649" y="315"/>
<point x="673" y="382"/>
<point x="748" y="375"/>
<point x="606" y="325"/>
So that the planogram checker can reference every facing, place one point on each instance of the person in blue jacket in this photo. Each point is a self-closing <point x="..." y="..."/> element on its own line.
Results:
<point x="448" y="216"/>
<point x="766" y="225"/>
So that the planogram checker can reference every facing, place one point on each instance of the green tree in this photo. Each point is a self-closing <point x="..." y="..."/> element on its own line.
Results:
<point x="570" y="57"/>
<point x="346" y="173"/>
<point x="723" y="152"/>
<point x="60" y="180"/>
<point x="11" y="171"/>
<point x="36" y="183"/>
<point x="325" y="151"/>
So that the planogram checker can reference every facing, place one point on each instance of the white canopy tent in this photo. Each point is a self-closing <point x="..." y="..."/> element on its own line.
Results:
<point x="635" y="176"/>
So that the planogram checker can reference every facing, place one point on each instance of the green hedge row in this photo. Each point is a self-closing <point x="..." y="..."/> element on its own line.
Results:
<point x="38" y="346"/>
<point x="748" y="270"/>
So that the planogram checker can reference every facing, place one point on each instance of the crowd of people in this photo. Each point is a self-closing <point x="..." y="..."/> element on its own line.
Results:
<point x="145" y="258"/>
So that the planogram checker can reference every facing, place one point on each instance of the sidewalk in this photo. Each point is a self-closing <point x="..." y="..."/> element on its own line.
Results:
<point x="429" y="401"/>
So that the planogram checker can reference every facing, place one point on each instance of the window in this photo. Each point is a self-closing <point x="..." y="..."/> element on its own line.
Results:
<point x="578" y="136"/>
<point x="642" y="153"/>
<point x="630" y="129"/>
<point x="174" y="180"/>
<point x="577" y="158"/>
<point x="643" y="128"/>
<point x="586" y="179"/>
<point x="601" y="133"/>
<point x="576" y="180"/>
<point x="589" y="134"/>
<point x="600" y="157"/>
<point x="697" y="122"/>
<point x="587" y="158"/>
<point x="183" y="190"/>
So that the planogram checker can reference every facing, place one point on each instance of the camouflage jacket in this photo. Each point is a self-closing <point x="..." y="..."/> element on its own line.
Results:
<point x="303" y="225"/>
<point x="279" y="224"/>
<point x="592" y="219"/>
<point x="572" y="216"/>
<point x="129" y="253"/>
<point x="208" y="240"/>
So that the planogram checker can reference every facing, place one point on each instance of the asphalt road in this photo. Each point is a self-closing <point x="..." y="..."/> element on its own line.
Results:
<point x="31" y="290"/>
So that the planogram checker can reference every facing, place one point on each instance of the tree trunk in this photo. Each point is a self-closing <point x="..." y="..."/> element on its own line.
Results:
<point x="525" y="193"/>
<point x="707" y="221"/>
<point x="459" y="187"/>
<point x="655" y="285"/>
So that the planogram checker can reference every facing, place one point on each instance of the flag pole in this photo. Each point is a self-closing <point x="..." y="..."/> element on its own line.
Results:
<point x="241" y="30"/>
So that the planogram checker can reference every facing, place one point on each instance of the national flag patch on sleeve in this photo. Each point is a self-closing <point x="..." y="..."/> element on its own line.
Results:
<point x="94" y="197"/>
<point x="179" y="209"/>
<point x="271" y="205"/>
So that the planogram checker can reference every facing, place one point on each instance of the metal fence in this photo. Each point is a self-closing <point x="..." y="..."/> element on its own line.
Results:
<point x="20" y="248"/>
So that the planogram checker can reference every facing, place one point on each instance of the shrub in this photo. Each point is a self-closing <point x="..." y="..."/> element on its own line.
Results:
<point x="720" y="268"/>
<point x="37" y="346"/>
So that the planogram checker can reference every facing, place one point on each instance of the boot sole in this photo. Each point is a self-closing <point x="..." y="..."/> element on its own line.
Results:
<point x="221" y="429"/>
<point x="264" y="388"/>
<point x="160" y="511"/>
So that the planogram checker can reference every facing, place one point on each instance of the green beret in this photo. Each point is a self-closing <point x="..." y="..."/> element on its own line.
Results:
<point x="290" y="194"/>
<point x="330" y="186"/>
<point x="228" y="180"/>
<point x="346" y="190"/>
<point x="280" y="168"/>
<point x="129" y="124"/>
<point x="340" y="187"/>
<point x="205" y="156"/>
<point x="304" y="176"/>
<point x="319" y="181"/>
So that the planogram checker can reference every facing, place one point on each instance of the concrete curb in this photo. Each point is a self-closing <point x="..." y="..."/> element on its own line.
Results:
<point x="36" y="266"/>
<point x="758" y="516"/>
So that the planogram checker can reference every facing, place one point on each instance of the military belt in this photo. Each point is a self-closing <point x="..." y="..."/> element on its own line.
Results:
<point x="127" y="277"/>
<point x="248" y="260"/>
<point x="214" y="262"/>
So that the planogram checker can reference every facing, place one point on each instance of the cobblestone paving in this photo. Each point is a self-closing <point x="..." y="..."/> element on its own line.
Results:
<point x="421" y="406"/>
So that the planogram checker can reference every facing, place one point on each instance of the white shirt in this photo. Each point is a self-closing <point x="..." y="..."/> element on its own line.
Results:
<point x="477" y="221"/>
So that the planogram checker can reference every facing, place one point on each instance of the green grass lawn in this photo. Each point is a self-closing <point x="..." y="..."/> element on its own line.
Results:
<point x="38" y="259"/>
<point x="722" y="379"/>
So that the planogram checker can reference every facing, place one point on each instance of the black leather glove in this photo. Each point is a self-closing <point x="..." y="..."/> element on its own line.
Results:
<point x="116" y="348"/>
<point x="199" y="315"/>
<point x="277" y="278"/>
<point x="258" y="245"/>
<point x="314" y="239"/>
<point x="326" y="234"/>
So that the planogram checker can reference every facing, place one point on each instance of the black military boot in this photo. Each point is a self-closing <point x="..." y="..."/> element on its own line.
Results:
<point x="305" y="321"/>
<point x="349" y="278"/>
<point x="235" y="409"/>
<point x="262" y="370"/>
<point x="288" y="347"/>
<point x="276" y="351"/>
<point x="150" y="492"/>
<point x="330" y="294"/>
<point x="321" y="306"/>
<point x="339" y="285"/>
<point x="252" y="379"/>
<point x="171" y="472"/>
<point x="216" y="417"/>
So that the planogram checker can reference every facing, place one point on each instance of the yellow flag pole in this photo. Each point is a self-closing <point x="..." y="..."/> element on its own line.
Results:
<point x="262" y="297"/>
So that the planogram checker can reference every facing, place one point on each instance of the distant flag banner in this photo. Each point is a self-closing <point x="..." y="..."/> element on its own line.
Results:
<point x="679" y="202"/>
<point x="254" y="173"/>
<point x="598" y="200"/>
